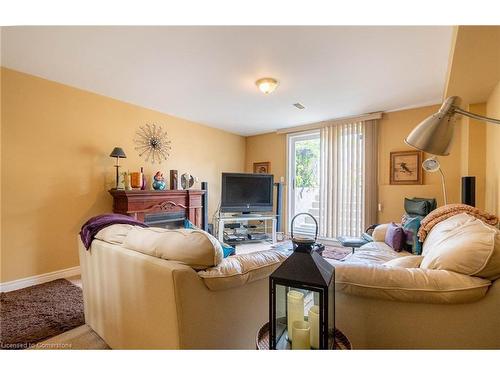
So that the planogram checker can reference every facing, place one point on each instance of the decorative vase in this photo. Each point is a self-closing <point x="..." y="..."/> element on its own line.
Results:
<point x="126" y="180"/>
<point x="136" y="180"/>
<point x="159" y="181"/>
<point x="159" y="185"/>
<point x="143" y="186"/>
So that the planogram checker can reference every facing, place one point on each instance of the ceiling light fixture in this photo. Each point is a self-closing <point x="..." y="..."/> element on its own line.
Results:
<point x="267" y="85"/>
<point x="298" y="105"/>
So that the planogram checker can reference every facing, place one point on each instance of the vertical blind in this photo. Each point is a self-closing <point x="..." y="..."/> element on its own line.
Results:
<point x="348" y="186"/>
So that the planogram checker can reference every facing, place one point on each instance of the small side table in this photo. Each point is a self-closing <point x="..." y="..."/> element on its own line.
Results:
<point x="262" y="339"/>
<point x="352" y="242"/>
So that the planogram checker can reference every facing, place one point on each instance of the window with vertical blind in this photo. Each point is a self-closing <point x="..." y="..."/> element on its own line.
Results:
<point x="333" y="176"/>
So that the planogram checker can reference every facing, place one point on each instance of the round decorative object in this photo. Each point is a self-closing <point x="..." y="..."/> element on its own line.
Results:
<point x="159" y="185"/>
<point x="159" y="181"/>
<point x="187" y="181"/>
<point x="152" y="143"/>
<point x="341" y="342"/>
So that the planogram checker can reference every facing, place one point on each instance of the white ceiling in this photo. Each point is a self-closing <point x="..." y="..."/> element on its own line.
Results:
<point x="207" y="74"/>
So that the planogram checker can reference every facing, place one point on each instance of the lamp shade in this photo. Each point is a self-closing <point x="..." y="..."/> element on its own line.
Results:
<point x="435" y="134"/>
<point x="431" y="165"/>
<point x="118" y="153"/>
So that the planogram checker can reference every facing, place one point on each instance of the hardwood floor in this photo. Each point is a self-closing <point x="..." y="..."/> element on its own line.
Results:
<point x="82" y="337"/>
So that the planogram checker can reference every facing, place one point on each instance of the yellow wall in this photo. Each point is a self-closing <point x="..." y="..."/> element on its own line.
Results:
<point x="474" y="76"/>
<point x="393" y="128"/>
<point x="473" y="155"/>
<point x="493" y="153"/>
<point x="56" y="170"/>
<point x="269" y="147"/>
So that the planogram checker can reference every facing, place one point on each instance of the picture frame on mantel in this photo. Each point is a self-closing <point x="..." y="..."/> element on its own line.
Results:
<point x="406" y="167"/>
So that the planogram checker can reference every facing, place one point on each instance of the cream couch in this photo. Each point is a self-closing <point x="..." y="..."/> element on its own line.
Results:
<point x="142" y="290"/>
<point x="149" y="288"/>
<point x="447" y="298"/>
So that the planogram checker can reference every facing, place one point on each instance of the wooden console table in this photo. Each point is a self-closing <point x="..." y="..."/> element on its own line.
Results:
<point x="143" y="203"/>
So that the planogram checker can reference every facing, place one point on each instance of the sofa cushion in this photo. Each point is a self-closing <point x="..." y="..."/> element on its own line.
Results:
<point x="462" y="244"/>
<point x="378" y="233"/>
<point x="227" y="250"/>
<point x="412" y="261"/>
<point x="372" y="253"/>
<point x="408" y="284"/>
<point x="436" y="234"/>
<point x="115" y="233"/>
<point x="238" y="270"/>
<point x="195" y="248"/>
<point x="419" y="206"/>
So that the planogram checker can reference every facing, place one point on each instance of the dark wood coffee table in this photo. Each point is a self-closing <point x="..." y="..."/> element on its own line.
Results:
<point x="262" y="340"/>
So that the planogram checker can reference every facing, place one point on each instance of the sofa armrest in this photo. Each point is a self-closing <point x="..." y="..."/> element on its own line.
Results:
<point x="378" y="234"/>
<point x="408" y="284"/>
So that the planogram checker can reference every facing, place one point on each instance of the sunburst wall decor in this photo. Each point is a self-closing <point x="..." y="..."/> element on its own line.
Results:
<point x="152" y="142"/>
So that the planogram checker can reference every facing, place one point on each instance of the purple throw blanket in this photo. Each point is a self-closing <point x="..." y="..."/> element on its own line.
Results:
<point x="95" y="224"/>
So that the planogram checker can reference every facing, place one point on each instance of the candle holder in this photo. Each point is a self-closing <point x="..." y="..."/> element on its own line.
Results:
<point x="302" y="298"/>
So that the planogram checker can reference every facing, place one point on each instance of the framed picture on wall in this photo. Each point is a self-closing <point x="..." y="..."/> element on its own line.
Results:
<point x="262" y="167"/>
<point x="406" y="168"/>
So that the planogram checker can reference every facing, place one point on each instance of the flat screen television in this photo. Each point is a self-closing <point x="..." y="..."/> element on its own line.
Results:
<point x="247" y="192"/>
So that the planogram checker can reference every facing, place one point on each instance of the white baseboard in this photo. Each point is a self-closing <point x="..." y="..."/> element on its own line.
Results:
<point x="39" y="279"/>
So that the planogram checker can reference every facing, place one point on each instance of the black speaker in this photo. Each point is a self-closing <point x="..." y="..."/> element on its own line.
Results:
<point x="469" y="190"/>
<point x="279" y="204"/>
<point x="204" y="203"/>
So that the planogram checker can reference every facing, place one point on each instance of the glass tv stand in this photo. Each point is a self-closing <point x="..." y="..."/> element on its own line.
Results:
<point x="253" y="233"/>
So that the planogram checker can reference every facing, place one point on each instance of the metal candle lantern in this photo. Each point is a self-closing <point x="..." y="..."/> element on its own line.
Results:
<point x="302" y="299"/>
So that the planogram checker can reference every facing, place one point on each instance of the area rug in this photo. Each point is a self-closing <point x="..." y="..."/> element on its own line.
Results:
<point x="36" y="313"/>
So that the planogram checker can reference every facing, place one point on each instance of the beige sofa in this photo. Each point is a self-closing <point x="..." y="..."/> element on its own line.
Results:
<point x="447" y="298"/>
<point x="142" y="291"/>
<point x="136" y="299"/>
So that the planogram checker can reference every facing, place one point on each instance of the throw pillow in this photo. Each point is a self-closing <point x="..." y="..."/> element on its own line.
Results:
<point x="226" y="249"/>
<point x="410" y="227"/>
<point x="419" y="206"/>
<point x="395" y="237"/>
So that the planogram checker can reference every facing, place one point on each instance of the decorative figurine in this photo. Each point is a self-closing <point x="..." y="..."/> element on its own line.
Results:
<point x="159" y="181"/>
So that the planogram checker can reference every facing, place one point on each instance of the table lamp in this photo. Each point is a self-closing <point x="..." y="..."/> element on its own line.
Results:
<point x="117" y="153"/>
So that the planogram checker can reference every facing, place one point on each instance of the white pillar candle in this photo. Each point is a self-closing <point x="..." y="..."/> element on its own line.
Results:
<point x="314" y="324"/>
<point x="301" y="335"/>
<point x="295" y="310"/>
